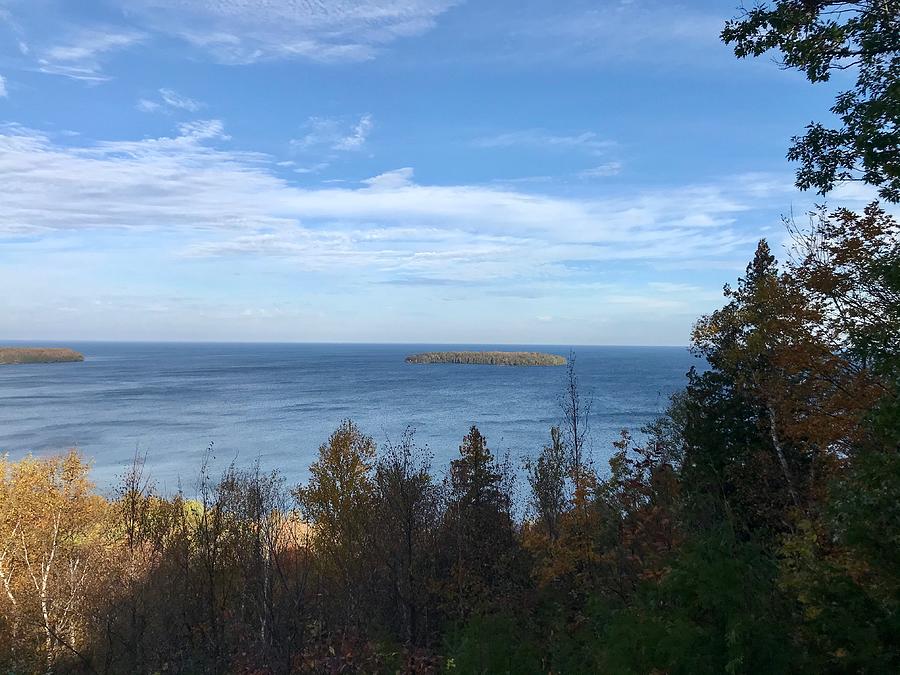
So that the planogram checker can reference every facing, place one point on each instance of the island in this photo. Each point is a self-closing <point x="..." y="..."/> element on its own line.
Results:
<point x="17" y="355"/>
<point x="489" y="358"/>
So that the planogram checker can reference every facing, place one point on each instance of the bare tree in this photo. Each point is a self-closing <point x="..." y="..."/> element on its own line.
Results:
<point x="576" y="411"/>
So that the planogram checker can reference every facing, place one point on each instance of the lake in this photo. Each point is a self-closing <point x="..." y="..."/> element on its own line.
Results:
<point x="278" y="402"/>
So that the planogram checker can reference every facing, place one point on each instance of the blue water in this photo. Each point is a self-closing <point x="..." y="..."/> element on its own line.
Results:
<point x="279" y="402"/>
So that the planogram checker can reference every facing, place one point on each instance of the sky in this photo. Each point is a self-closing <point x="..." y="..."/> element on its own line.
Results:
<point x="441" y="171"/>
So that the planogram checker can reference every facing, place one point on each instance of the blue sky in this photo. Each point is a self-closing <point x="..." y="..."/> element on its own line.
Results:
<point x="384" y="170"/>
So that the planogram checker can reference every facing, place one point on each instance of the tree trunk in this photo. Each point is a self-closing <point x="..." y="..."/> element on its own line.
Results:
<point x="779" y="451"/>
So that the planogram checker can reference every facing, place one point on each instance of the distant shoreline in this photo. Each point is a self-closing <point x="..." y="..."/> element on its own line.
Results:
<point x="18" y="355"/>
<point x="492" y="358"/>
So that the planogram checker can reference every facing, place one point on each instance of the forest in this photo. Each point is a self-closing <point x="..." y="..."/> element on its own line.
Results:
<point x="753" y="528"/>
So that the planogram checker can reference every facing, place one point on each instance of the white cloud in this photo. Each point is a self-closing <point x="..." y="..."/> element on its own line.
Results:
<point x="80" y="58"/>
<point x="244" y="31"/>
<point x="3" y="92"/>
<point x="89" y="45"/>
<point x="391" y="180"/>
<point x="313" y="168"/>
<point x="216" y="202"/>
<point x="853" y="191"/>
<point x="147" y="106"/>
<point x="334" y="134"/>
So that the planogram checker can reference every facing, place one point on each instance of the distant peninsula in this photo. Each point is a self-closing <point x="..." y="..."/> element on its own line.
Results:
<point x="16" y="355"/>
<point x="489" y="358"/>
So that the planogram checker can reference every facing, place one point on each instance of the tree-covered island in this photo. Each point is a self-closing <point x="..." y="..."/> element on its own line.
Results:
<point x="17" y="355"/>
<point x="494" y="358"/>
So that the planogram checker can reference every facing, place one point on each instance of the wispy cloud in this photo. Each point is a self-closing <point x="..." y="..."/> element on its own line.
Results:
<point x="80" y="58"/>
<point x="673" y="287"/>
<point x="602" y="171"/>
<point x="15" y="28"/>
<point x="3" y="92"/>
<point x="175" y="100"/>
<point x="169" y="99"/>
<point x="587" y="141"/>
<point x="333" y="133"/>
<point x="147" y="106"/>
<point x="244" y="31"/>
<point x="356" y="139"/>
<point x="220" y="202"/>
<point x="584" y="144"/>
<point x="203" y="130"/>
<point x="587" y="33"/>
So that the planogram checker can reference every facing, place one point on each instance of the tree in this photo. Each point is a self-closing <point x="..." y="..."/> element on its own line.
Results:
<point x="842" y="564"/>
<point x="405" y="515"/>
<point x="718" y="610"/>
<point x="742" y="442"/>
<point x="479" y="564"/>
<point x="254" y="507"/>
<point x="337" y="501"/>
<point x="51" y="550"/>
<point x="141" y="553"/>
<point x="851" y="263"/>
<point x="820" y="37"/>
<point x="547" y="478"/>
<point x="576" y="411"/>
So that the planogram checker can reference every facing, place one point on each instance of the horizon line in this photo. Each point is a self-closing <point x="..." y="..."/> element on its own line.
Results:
<point x="325" y="342"/>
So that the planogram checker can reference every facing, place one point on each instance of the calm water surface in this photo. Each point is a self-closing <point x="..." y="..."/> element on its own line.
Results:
<point x="279" y="402"/>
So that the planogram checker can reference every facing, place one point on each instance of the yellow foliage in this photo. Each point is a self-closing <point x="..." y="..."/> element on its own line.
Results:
<point x="52" y="536"/>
